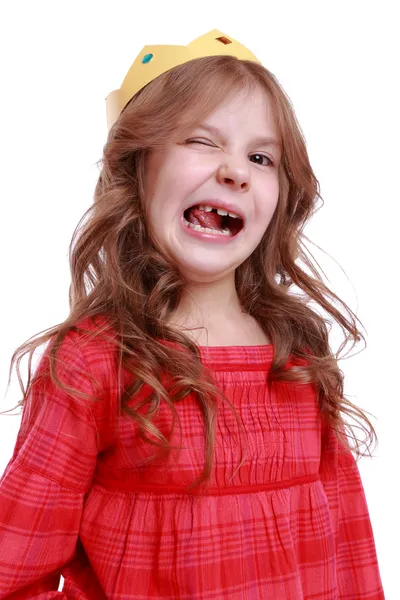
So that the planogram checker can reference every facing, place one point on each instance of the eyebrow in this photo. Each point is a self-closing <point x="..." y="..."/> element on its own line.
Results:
<point x="263" y="140"/>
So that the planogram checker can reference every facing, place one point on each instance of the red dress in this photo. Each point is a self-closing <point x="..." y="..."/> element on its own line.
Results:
<point x="77" y="499"/>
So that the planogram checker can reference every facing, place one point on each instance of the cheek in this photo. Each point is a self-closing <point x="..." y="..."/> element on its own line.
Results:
<point x="192" y="167"/>
<point x="267" y="205"/>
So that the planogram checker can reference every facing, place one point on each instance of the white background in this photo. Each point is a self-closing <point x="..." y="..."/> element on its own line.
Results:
<point x="336" y="61"/>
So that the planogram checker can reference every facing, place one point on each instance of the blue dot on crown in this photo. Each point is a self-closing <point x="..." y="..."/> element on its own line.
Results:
<point x="147" y="58"/>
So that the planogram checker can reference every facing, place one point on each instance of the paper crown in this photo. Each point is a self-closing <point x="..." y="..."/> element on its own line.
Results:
<point x="154" y="60"/>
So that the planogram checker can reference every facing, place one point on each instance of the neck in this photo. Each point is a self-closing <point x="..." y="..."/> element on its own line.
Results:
<point x="208" y="305"/>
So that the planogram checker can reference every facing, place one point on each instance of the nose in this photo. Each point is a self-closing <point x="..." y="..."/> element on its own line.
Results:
<point x="233" y="175"/>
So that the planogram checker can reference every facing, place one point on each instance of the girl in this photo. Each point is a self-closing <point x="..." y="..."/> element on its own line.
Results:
<point x="183" y="434"/>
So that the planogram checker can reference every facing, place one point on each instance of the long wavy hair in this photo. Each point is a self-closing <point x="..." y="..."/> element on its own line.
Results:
<point x="119" y="272"/>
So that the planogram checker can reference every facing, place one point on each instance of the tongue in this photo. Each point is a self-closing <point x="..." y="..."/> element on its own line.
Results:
<point x="212" y="220"/>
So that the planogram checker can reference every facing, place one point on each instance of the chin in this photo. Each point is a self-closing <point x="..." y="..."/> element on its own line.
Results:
<point x="201" y="273"/>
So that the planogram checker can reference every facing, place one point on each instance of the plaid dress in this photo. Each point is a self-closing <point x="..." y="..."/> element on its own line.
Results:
<point x="80" y="499"/>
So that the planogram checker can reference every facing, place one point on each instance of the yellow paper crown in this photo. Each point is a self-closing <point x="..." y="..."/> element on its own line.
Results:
<point x="154" y="60"/>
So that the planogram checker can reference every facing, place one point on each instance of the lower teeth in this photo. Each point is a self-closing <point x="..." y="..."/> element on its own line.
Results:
<point x="207" y="229"/>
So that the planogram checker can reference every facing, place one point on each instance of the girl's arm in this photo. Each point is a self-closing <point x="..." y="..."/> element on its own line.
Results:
<point x="357" y="567"/>
<point x="43" y="487"/>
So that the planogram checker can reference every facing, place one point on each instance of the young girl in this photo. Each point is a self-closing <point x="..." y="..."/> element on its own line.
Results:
<point x="183" y="434"/>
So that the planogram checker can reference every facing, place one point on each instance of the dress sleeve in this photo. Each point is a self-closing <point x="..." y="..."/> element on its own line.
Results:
<point x="357" y="567"/>
<point x="43" y="486"/>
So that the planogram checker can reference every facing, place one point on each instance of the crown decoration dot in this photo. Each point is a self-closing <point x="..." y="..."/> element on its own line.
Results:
<point x="144" y="69"/>
<point x="147" y="58"/>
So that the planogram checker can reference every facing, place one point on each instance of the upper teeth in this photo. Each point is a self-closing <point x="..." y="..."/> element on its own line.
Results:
<point x="220" y="211"/>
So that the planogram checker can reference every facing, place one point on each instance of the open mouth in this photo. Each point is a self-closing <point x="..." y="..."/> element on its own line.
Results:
<point x="214" y="221"/>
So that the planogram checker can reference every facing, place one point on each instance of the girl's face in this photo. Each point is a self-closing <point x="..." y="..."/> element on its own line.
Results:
<point x="230" y="164"/>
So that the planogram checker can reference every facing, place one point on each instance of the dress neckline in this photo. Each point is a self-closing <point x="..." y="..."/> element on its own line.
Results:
<point x="223" y="357"/>
<point x="237" y="355"/>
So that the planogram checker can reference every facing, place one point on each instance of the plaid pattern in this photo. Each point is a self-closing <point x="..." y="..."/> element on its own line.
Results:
<point x="77" y="498"/>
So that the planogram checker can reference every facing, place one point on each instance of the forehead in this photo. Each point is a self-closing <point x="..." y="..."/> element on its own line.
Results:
<point x="239" y="103"/>
<point x="250" y="113"/>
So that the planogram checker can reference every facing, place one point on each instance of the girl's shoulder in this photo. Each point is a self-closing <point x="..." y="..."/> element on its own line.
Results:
<point x="94" y="335"/>
<point x="95" y="339"/>
<point x="87" y="361"/>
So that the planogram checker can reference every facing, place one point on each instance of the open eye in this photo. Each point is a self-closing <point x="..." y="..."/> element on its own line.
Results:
<point x="264" y="156"/>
